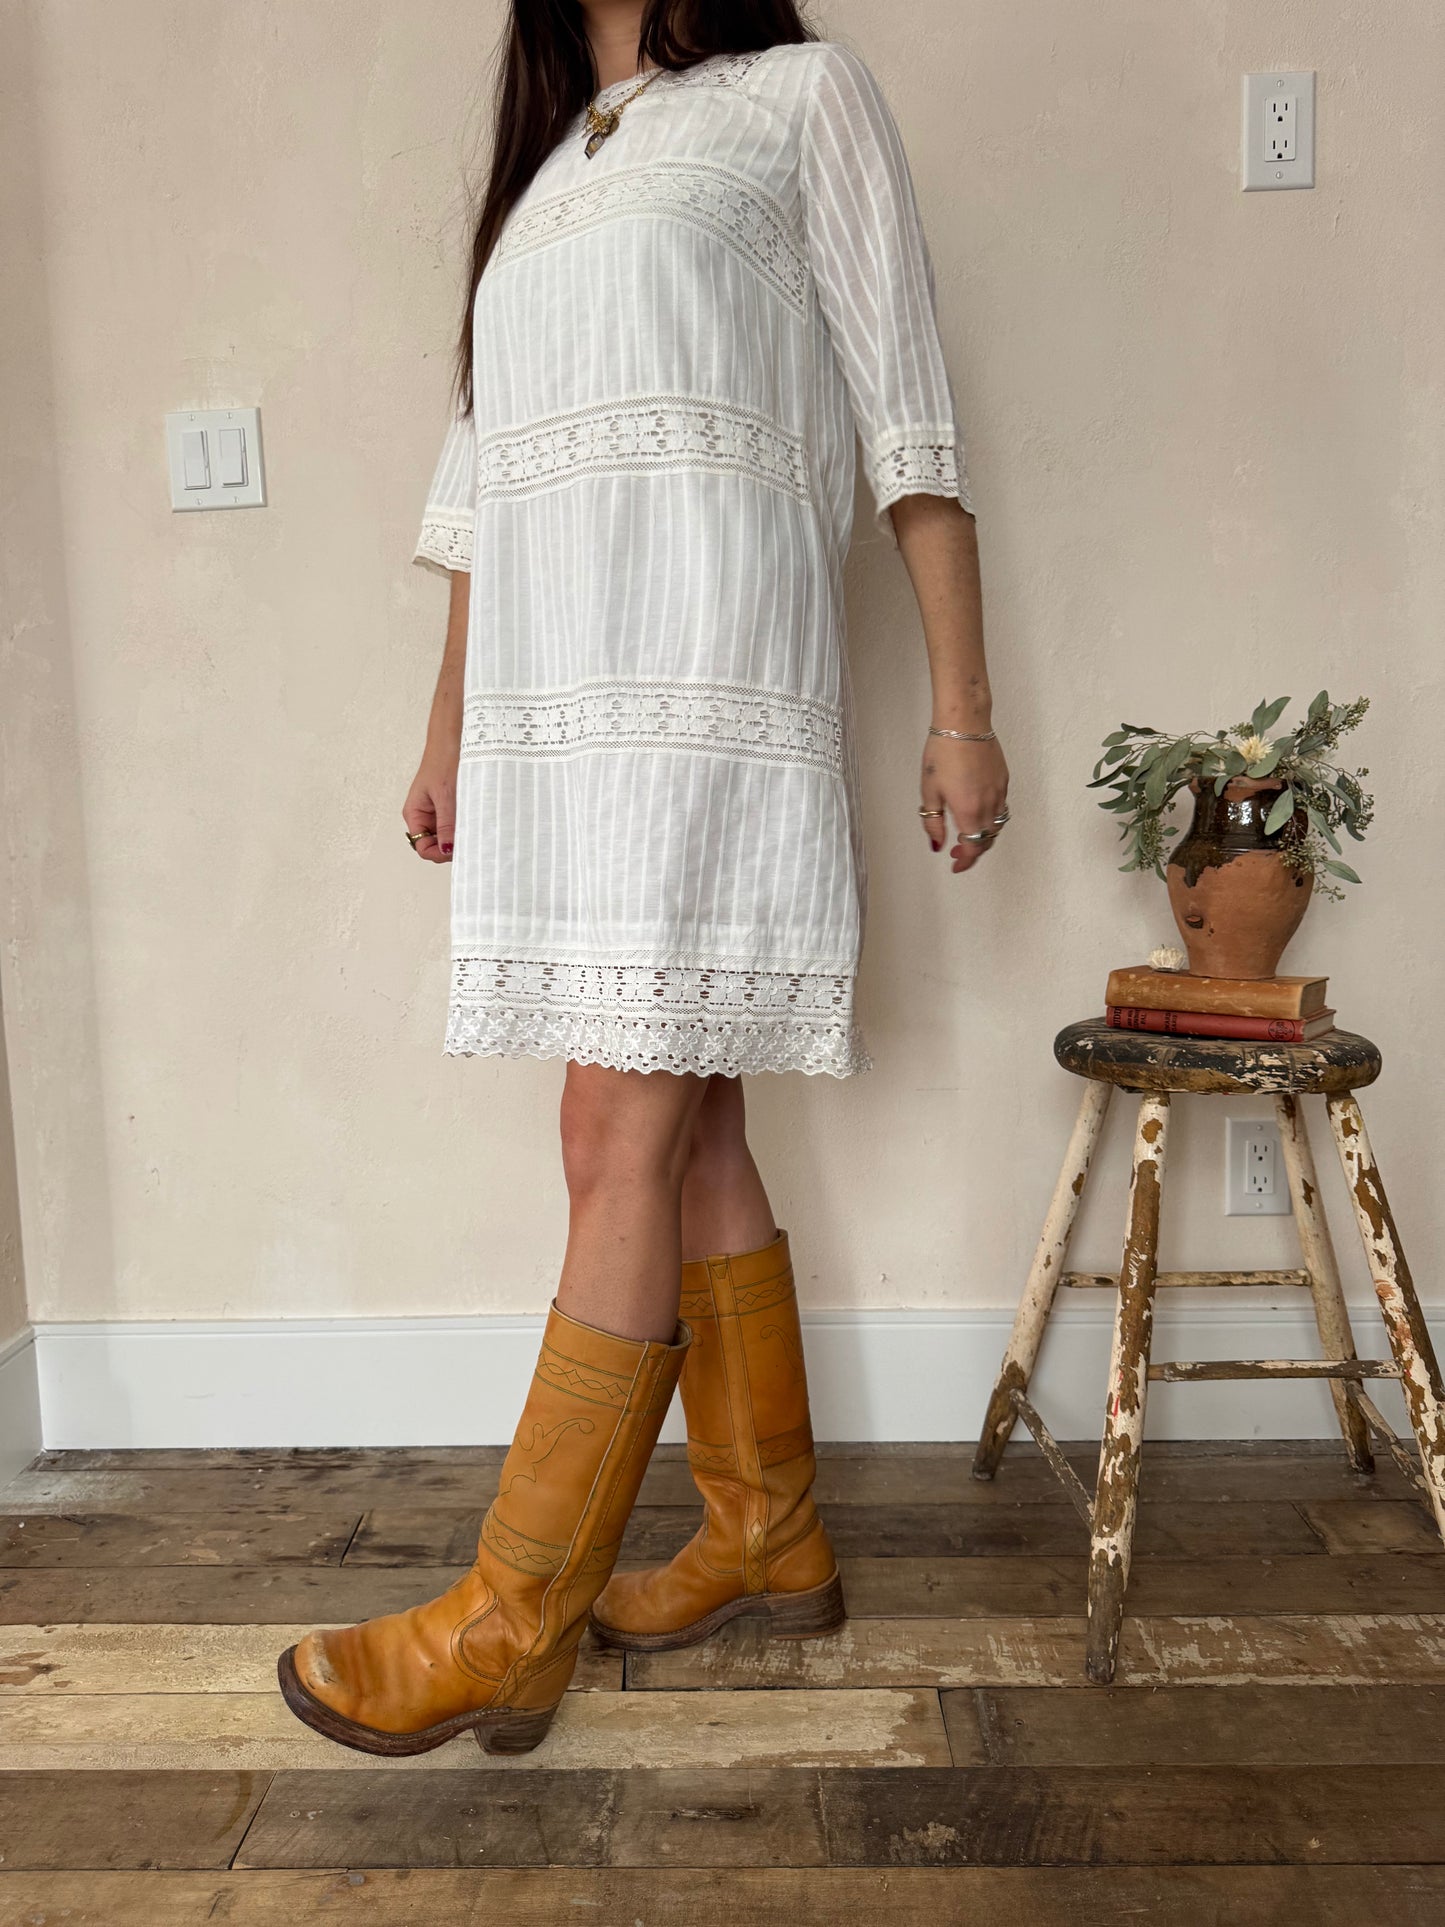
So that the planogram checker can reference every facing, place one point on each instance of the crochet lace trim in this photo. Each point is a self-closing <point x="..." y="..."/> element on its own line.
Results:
<point x="446" y="539"/>
<point x="725" y="719"/>
<point x="714" y="199"/>
<point x="925" y="461"/>
<point x="645" y="1017"/>
<point x="642" y="436"/>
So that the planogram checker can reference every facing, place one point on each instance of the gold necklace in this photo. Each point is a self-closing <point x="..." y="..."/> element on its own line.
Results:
<point x="603" y="121"/>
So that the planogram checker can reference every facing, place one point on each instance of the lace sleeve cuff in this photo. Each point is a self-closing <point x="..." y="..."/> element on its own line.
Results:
<point x="446" y="539"/>
<point x="916" y="461"/>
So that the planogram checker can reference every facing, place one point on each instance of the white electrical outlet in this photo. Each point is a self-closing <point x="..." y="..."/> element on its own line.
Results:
<point x="1256" y="1184"/>
<point x="1279" y="130"/>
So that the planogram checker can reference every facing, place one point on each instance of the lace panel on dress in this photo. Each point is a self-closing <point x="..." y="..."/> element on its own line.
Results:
<point x="708" y="74"/>
<point x="650" y="433"/>
<point x="648" y="1017"/>
<point x="446" y="538"/>
<point x="726" y="719"/>
<point x="701" y="194"/>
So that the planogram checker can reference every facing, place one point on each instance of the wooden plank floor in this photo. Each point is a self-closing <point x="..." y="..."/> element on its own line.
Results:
<point x="1273" y="1750"/>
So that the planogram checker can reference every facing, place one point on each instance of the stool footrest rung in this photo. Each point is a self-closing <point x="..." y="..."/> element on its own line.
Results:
<point x="1053" y="1452"/>
<point x="1182" y="1371"/>
<point x="1184" y="1280"/>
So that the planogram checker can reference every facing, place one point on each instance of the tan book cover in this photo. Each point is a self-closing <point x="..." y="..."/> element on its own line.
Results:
<point x="1149" y="989"/>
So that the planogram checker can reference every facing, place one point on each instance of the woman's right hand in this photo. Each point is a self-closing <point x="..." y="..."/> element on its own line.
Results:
<point x="430" y="809"/>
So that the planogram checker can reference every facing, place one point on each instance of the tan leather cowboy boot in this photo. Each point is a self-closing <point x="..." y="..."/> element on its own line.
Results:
<point x="495" y="1652"/>
<point x="761" y="1548"/>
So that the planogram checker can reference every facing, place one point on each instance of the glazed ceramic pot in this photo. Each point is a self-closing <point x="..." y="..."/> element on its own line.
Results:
<point x="1235" y="903"/>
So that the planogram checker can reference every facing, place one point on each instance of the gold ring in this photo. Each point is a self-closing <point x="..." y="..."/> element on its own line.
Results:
<point x="414" y="838"/>
<point x="923" y="812"/>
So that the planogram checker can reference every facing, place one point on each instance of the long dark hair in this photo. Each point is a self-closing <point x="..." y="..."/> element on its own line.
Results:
<point x="548" y="75"/>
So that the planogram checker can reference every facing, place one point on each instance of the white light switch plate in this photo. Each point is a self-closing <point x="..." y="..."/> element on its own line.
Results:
<point x="219" y="448"/>
<point x="1279" y="130"/>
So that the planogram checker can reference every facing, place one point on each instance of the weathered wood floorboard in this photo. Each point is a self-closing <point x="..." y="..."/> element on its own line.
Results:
<point x="1133" y="1816"/>
<point x="69" y="1820"/>
<point x="1323" y="1649"/>
<point x="1003" y="1586"/>
<point x="642" y="1818"/>
<point x="254" y="1733"/>
<point x="445" y="1536"/>
<point x="902" y="1588"/>
<point x="1409" y="1896"/>
<point x="101" y="1659"/>
<point x="853" y="1475"/>
<point x="242" y="1536"/>
<point x="1347" y="1526"/>
<point x="1227" y="1726"/>
<point x="219" y="1595"/>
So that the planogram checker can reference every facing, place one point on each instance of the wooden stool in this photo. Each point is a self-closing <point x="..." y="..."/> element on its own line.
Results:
<point x="1156" y="1067"/>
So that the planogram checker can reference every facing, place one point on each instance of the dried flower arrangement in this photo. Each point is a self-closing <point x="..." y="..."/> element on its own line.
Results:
<point x="1146" y="769"/>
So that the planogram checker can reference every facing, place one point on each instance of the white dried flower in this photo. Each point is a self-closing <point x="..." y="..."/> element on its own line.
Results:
<point x="1166" y="956"/>
<point x="1254" y="749"/>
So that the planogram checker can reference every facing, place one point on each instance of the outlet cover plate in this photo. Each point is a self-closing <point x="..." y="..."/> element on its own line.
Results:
<point x="1256" y="1184"/>
<point x="1261" y="169"/>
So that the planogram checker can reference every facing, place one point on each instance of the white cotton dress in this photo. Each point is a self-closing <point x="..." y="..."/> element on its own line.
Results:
<point x="658" y="862"/>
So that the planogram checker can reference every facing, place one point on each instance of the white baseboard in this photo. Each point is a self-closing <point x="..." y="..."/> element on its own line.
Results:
<point x="875" y="1375"/>
<point x="20" y="1435"/>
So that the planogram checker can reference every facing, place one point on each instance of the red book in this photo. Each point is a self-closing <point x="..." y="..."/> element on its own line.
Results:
<point x="1213" y="1023"/>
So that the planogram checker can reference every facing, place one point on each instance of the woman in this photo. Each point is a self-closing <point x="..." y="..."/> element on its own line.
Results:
<point x="697" y="270"/>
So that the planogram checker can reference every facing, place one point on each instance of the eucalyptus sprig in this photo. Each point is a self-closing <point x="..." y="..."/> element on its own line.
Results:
<point x="1145" y="770"/>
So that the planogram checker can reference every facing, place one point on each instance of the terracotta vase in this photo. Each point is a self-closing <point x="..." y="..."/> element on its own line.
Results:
<point x="1235" y="903"/>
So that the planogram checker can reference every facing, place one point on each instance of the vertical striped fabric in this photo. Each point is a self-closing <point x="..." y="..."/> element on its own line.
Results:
<point x="679" y="343"/>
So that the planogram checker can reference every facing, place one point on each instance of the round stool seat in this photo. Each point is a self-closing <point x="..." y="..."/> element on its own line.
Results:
<point x="1142" y="1060"/>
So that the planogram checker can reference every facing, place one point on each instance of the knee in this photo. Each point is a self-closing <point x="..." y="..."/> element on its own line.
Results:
<point x="718" y="1143"/>
<point x="620" y="1127"/>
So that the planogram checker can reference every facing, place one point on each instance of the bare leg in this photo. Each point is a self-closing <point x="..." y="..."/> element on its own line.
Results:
<point x="724" y="1203"/>
<point x="625" y="1144"/>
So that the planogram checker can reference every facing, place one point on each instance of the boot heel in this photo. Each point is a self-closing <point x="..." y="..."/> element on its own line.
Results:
<point x="807" y="1615"/>
<point x="513" y="1732"/>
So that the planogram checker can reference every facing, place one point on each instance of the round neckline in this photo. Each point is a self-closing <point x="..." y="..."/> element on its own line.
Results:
<point x="664" y="73"/>
<point x="632" y="80"/>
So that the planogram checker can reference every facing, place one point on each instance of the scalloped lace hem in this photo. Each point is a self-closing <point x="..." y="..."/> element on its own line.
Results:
<point x="702" y="1046"/>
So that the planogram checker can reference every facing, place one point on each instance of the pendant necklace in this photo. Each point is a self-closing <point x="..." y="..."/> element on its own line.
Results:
<point x="603" y="121"/>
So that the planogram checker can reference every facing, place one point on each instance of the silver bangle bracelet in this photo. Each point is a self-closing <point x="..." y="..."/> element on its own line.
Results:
<point x="965" y="735"/>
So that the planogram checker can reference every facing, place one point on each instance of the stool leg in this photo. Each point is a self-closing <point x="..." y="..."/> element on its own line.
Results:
<point x="1337" y="1341"/>
<point x="1043" y="1280"/>
<point x="1395" y="1289"/>
<point x="1117" y="1492"/>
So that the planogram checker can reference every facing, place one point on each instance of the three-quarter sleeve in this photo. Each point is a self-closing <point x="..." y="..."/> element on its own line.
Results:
<point x="446" y="529"/>
<point x="876" y="286"/>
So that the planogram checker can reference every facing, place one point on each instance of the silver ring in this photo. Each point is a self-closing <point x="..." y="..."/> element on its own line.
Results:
<point x="1001" y="820"/>
<point x="979" y="836"/>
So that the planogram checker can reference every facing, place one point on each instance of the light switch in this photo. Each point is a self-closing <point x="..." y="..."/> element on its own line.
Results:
<point x="215" y="458"/>
<point x="231" y="460"/>
<point x="194" y="460"/>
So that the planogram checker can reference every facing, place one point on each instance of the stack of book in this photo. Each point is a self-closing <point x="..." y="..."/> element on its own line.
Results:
<point x="1275" y="1010"/>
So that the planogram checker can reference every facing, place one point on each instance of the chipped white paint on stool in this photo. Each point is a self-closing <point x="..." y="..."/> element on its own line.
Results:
<point x="1116" y="1495"/>
<point x="1404" y="1321"/>
<point x="1045" y="1275"/>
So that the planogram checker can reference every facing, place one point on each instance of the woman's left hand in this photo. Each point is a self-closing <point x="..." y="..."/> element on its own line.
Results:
<point x="970" y="782"/>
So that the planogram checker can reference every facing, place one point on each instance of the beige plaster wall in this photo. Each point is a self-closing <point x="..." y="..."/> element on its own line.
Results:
<point x="1207" y="448"/>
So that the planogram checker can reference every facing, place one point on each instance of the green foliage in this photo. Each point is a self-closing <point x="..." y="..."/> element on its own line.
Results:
<point x="1144" y="770"/>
